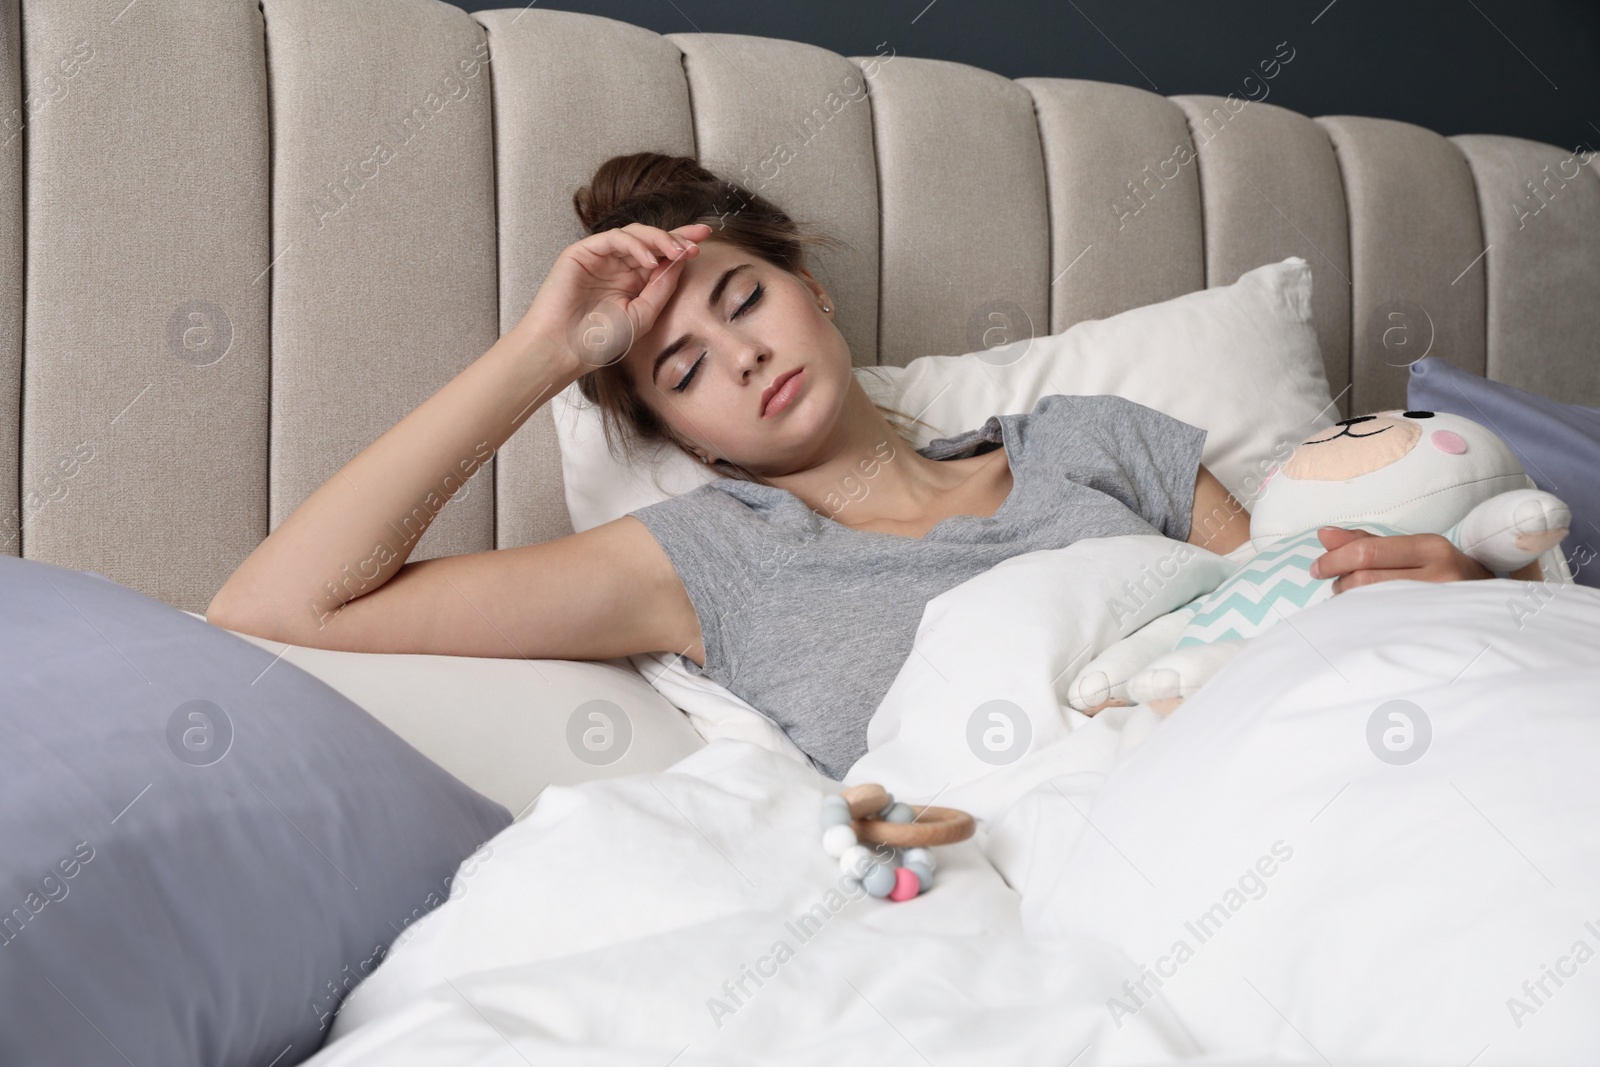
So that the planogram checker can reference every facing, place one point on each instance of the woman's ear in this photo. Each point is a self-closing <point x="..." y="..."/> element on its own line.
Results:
<point x="824" y="301"/>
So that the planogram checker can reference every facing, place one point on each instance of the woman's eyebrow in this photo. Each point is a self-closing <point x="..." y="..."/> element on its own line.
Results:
<point x="711" y="302"/>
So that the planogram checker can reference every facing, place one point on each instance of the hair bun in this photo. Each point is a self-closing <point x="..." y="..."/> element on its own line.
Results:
<point x="645" y="184"/>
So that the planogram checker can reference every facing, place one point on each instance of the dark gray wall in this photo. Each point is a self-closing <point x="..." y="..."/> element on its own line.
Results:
<point x="1530" y="68"/>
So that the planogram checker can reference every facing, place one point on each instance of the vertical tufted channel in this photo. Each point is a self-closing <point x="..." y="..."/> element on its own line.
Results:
<point x="1540" y="208"/>
<point x="384" y="276"/>
<point x="1412" y="210"/>
<point x="145" y="347"/>
<point x="966" y="226"/>
<point x="1269" y="189"/>
<point x="1124" y="198"/>
<point x="12" y="272"/>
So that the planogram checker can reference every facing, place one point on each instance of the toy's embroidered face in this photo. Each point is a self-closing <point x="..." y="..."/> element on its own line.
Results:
<point x="1356" y="446"/>
<point x="1413" y="470"/>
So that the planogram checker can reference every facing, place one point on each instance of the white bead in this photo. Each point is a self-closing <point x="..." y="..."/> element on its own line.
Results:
<point x="835" y="839"/>
<point x="855" y="860"/>
<point x="922" y="855"/>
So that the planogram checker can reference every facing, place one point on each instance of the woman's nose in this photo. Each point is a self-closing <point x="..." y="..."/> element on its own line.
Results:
<point x="752" y="356"/>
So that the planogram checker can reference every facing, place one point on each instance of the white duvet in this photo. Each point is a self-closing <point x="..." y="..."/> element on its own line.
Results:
<point x="1291" y="868"/>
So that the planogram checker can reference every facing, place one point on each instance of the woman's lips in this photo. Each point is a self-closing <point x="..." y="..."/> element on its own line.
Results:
<point x="787" y="388"/>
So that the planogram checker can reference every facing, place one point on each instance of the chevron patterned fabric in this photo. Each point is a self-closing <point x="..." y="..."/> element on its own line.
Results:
<point x="1276" y="581"/>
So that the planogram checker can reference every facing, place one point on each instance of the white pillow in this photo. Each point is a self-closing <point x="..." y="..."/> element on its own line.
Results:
<point x="508" y="727"/>
<point x="1240" y="361"/>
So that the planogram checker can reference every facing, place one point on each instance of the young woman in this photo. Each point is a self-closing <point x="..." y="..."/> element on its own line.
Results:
<point x="797" y="580"/>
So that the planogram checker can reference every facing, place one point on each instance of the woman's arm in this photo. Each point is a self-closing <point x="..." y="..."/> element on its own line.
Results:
<point x="356" y="531"/>
<point x="1219" y="523"/>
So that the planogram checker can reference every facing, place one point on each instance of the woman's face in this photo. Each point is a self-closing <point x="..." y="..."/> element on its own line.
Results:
<point x="734" y="325"/>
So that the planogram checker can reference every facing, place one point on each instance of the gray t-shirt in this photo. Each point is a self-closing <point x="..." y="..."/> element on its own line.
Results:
<point x="809" y="620"/>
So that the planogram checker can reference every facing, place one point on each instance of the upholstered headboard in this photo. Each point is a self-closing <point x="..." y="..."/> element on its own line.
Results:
<point x="240" y="240"/>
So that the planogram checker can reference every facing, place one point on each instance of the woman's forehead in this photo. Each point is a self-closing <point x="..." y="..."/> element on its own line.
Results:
<point x="696" y="280"/>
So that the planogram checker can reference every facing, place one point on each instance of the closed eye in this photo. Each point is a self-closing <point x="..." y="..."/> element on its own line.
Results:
<point x="754" y="298"/>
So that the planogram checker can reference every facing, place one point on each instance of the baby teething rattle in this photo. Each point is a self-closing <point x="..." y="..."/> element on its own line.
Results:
<point x="868" y="813"/>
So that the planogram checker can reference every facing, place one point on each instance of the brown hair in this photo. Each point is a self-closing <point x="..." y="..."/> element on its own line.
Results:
<point x="668" y="192"/>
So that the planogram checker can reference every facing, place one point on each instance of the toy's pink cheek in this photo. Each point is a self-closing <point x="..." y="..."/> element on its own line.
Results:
<point x="1448" y="441"/>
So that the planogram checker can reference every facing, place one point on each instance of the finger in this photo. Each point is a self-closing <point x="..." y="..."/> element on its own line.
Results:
<point x="646" y="307"/>
<point x="641" y="251"/>
<point x="655" y="238"/>
<point x="618" y="245"/>
<point x="1344" y="583"/>
<point x="692" y="231"/>
<point x="692" y="235"/>
<point x="1332" y="537"/>
<point x="1335" y="536"/>
<point x="1357" y="553"/>
<point x="689" y="248"/>
<point x="668" y="273"/>
<point x="671" y="242"/>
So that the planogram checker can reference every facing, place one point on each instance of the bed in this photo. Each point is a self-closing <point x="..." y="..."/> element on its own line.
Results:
<point x="1250" y="880"/>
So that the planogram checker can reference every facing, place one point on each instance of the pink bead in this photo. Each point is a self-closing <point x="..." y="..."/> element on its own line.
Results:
<point x="906" y="884"/>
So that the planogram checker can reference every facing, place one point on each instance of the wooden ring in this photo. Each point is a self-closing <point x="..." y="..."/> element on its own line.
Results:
<point x="865" y="800"/>
<point x="931" y="826"/>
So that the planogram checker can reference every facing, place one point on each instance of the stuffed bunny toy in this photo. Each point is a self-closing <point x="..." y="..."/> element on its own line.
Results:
<point x="1393" y="472"/>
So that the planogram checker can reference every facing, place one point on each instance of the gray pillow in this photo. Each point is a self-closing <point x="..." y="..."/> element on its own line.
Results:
<point x="1558" y="444"/>
<point x="201" y="850"/>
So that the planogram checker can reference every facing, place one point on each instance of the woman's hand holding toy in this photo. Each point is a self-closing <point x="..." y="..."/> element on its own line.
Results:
<point x="1360" y="557"/>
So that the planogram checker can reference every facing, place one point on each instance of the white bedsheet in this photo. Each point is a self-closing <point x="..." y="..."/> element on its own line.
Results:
<point x="614" y="924"/>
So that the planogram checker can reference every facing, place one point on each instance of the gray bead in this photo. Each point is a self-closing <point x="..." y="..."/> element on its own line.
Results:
<point x="899" y="812"/>
<point x="834" y="800"/>
<point x="832" y="816"/>
<point x="923" y="872"/>
<point x="879" y="880"/>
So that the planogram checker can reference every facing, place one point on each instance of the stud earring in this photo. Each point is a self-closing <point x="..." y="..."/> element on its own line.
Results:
<point x="825" y="307"/>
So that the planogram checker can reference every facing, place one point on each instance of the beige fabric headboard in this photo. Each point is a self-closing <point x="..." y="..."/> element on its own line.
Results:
<point x="240" y="240"/>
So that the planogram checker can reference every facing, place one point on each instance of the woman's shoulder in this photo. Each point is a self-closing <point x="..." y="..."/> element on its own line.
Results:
<point x="729" y="507"/>
<point x="1057" y="413"/>
<point x="1082" y="403"/>
<point x="717" y="496"/>
<point x="1049" y="416"/>
<point x="1063" y="412"/>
